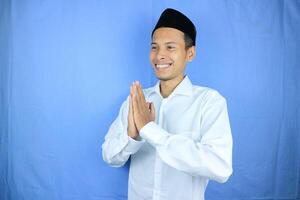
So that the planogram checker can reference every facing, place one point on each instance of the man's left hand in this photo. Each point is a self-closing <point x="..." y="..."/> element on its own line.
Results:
<point x="143" y="111"/>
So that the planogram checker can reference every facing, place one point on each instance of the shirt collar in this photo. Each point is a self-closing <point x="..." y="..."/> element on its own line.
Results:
<point x="185" y="87"/>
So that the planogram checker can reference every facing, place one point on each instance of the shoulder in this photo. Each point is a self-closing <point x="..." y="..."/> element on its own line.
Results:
<point x="207" y="95"/>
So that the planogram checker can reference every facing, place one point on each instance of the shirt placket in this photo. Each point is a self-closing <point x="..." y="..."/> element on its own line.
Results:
<point x="157" y="192"/>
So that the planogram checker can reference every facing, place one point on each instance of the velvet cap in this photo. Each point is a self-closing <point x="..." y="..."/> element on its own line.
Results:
<point x="172" y="18"/>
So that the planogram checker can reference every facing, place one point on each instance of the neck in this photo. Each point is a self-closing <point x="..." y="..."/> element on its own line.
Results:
<point x="168" y="86"/>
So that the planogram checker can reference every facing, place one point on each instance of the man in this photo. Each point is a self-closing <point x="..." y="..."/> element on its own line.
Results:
<point x="177" y="134"/>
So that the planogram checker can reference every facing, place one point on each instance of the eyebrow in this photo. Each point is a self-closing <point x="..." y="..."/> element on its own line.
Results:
<point x="165" y="43"/>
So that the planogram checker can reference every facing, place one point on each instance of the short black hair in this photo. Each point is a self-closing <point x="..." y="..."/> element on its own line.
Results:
<point x="188" y="41"/>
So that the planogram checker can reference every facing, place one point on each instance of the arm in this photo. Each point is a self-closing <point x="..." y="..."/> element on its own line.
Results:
<point x="118" y="146"/>
<point x="211" y="157"/>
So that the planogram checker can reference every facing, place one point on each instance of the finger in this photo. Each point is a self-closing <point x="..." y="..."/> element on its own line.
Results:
<point x="134" y="90"/>
<point x="131" y="97"/>
<point x="137" y="97"/>
<point x="152" y="111"/>
<point x="130" y="113"/>
<point x="130" y="90"/>
<point x="143" y="104"/>
<point x="136" y="87"/>
<point x="135" y="106"/>
<point x="130" y="107"/>
<point x="152" y="108"/>
<point x="148" y="105"/>
<point x="141" y="93"/>
<point x="140" y="97"/>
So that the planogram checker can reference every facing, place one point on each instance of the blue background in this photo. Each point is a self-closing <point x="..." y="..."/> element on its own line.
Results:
<point x="66" y="67"/>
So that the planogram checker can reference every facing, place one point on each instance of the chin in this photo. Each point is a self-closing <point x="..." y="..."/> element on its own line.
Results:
<point x="163" y="78"/>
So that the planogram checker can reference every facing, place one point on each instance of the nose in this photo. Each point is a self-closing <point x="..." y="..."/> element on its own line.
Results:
<point x="161" y="54"/>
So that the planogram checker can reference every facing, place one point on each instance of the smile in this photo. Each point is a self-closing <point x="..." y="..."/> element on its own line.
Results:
<point x="162" y="66"/>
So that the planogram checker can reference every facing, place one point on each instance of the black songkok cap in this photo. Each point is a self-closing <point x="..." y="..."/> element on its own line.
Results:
<point x="174" y="19"/>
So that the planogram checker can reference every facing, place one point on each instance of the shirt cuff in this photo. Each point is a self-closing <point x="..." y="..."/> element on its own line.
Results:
<point x="154" y="134"/>
<point x="133" y="145"/>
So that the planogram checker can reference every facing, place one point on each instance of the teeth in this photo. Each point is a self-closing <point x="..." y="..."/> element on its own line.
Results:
<point x="162" y="65"/>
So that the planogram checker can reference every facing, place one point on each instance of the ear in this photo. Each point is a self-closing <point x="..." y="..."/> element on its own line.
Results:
<point x="191" y="53"/>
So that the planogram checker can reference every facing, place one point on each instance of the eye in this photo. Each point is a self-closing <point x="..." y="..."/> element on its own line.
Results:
<point x="153" y="48"/>
<point x="170" y="47"/>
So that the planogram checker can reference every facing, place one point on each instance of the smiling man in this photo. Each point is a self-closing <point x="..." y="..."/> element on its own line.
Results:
<point x="177" y="134"/>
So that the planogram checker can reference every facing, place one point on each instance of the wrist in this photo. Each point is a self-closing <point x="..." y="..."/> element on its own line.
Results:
<point x="137" y="138"/>
<point x="133" y="136"/>
<point x="142" y="125"/>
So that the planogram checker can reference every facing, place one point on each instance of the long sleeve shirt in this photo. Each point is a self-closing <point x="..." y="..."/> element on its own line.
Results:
<point x="189" y="143"/>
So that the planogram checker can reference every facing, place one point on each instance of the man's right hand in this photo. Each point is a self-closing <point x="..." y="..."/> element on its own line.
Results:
<point x="131" y="130"/>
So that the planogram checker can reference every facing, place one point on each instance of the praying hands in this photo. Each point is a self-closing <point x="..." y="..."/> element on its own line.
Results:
<point x="140" y="112"/>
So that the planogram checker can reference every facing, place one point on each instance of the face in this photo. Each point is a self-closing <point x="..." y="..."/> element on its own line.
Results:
<point x="169" y="55"/>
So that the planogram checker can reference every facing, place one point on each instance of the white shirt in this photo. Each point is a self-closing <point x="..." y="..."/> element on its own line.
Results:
<point x="189" y="143"/>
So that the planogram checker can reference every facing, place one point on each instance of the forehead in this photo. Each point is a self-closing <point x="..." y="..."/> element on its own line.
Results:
<point x="164" y="35"/>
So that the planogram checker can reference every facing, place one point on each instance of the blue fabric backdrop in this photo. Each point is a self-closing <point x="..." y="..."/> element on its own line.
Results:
<point x="66" y="67"/>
